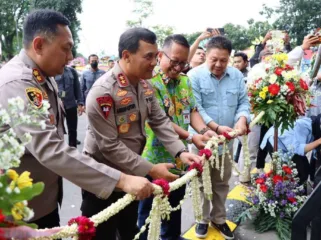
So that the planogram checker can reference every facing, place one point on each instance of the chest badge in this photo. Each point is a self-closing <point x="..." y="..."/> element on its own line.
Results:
<point x="105" y="103"/>
<point x="121" y="93"/>
<point x="34" y="96"/>
<point x="124" y="128"/>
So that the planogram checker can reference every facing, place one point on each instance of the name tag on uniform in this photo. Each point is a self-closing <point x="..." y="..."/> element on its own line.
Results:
<point x="186" y="116"/>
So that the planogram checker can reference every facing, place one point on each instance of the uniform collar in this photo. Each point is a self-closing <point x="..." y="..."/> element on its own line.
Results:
<point x="226" y="73"/>
<point x="120" y="77"/>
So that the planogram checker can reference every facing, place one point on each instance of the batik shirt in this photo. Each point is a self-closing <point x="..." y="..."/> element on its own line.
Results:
<point x="176" y="98"/>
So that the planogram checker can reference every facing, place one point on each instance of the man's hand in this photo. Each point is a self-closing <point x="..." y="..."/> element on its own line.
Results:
<point x="190" y="158"/>
<point x="267" y="37"/>
<point x="241" y="126"/>
<point x="309" y="41"/>
<point x="206" y="34"/>
<point x="223" y="129"/>
<point x="199" y="139"/>
<point x="81" y="110"/>
<point x="161" y="171"/>
<point x="210" y="134"/>
<point x="286" y="38"/>
<point x="138" y="186"/>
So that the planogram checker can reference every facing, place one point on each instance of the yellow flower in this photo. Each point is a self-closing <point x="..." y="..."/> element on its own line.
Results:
<point x="270" y="101"/>
<point x="18" y="211"/>
<point x="12" y="174"/>
<point x="262" y="94"/>
<point x="24" y="180"/>
<point x="265" y="89"/>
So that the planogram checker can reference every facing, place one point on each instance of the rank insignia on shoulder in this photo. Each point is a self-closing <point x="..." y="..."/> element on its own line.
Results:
<point x="133" y="117"/>
<point x="125" y="101"/>
<point x="105" y="104"/>
<point x="36" y="73"/>
<point x="149" y="92"/>
<point x="124" y="128"/>
<point x="34" y="96"/>
<point x="122" y="80"/>
<point x="121" y="93"/>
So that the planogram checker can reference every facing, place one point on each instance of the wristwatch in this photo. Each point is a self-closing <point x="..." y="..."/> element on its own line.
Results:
<point x="189" y="139"/>
<point x="180" y="152"/>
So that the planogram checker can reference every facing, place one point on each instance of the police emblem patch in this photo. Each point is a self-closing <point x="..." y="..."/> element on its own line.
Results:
<point x="132" y="117"/>
<point x="34" y="96"/>
<point x="124" y="128"/>
<point x="121" y="93"/>
<point x="105" y="104"/>
<point x="121" y="119"/>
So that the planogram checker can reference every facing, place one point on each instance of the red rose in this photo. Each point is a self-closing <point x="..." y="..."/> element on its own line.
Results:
<point x="259" y="181"/>
<point x="278" y="71"/>
<point x="303" y="85"/>
<point x="163" y="184"/>
<point x="292" y="199"/>
<point x="287" y="169"/>
<point x="2" y="217"/>
<point x="227" y="136"/>
<point x="86" y="228"/>
<point x="196" y="166"/>
<point x="290" y="86"/>
<point x="263" y="188"/>
<point x="277" y="178"/>
<point x="288" y="67"/>
<point x="274" y="89"/>
<point x="250" y="94"/>
<point x="206" y="152"/>
<point x="269" y="173"/>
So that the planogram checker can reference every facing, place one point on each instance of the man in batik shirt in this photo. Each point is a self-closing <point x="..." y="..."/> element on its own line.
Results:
<point x="174" y="93"/>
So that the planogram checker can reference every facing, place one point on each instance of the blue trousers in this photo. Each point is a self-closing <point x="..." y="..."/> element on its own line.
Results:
<point x="170" y="230"/>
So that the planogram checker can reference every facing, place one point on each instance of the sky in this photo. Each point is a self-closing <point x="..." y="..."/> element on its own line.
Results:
<point x="103" y="21"/>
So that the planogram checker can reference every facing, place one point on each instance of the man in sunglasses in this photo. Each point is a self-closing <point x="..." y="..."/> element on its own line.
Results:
<point x="174" y="93"/>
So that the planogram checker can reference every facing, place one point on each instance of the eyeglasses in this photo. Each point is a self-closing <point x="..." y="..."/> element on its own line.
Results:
<point x="175" y="63"/>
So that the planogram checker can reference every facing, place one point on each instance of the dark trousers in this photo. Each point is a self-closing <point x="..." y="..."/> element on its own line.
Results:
<point x="261" y="153"/>
<point x="49" y="221"/>
<point x="72" y="122"/>
<point x="301" y="162"/>
<point x="123" y="225"/>
<point x="170" y="230"/>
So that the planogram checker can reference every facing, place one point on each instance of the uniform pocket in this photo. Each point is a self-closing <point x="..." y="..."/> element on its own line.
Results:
<point x="231" y="97"/>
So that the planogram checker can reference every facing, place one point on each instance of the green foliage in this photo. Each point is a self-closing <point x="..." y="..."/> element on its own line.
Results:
<point x="238" y="35"/>
<point x="13" y="12"/>
<point x="298" y="17"/>
<point x="162" y="32"/>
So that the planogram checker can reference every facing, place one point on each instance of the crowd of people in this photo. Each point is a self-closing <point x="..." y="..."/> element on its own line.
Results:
<point x="142" y="114"/>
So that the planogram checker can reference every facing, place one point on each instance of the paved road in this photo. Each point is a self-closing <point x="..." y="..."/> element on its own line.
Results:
<point x="72" y="201"/>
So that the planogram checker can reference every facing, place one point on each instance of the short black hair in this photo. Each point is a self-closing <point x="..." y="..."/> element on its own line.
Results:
<point x="44" y="22"/>
<point x="219" y="42"/>
<point x="200" y="48"/>
<point x="242" y="55"/>
<point x="176" y="38"/>
<point x="92" y="55"/>
<point x="129" y="40"/>
<point x="111" y="60"/>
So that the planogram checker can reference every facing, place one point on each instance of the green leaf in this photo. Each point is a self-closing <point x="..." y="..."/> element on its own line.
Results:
<point x="22" y="223"/>
<point x="28" y="193"/>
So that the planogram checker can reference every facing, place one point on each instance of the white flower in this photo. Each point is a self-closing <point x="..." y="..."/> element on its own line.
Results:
<point x="1" y="185"/>
<point x="273" y="78"/>
<point x="8" y="190"/>
<point x="29" y="214"/>
<point x="16" y="190"/>
<point x="42" y="124"/>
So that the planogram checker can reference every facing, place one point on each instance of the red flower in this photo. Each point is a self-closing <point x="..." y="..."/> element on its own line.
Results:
<point x="292" y="199"/>
<point x="1" y="235"/>
<point x="227" y="136"/>
<point x="206" y="152"/>
<point x="163" y="184"/>
<point x="250" y="94"/>
<point x="196" y="166"/>
<point x="290" y="86"/>
<point x="277" y="178"/>
<point x="288" y="67"/>
<point x="86" y="228"/>
<point x="303" y="85"/>
<point x="287" y="169"/>
<point x="258" y="80"/>
<point x="2" y="217"/>
<point x="260" y="181"/>
<point x="263" y="188"/>
<point x="274" y="89"/>
<point x="278" y="71"/>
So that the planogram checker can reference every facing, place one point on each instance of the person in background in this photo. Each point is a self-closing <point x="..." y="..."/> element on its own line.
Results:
<point x="241" y="62"/>
<point x="111" y="64"/>
<point x="71" y="96"/>
<point x="90" y="76"/>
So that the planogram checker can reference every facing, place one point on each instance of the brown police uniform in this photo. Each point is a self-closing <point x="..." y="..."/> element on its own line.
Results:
<point x="116" y="136"/>
<point x="48" y="156"/>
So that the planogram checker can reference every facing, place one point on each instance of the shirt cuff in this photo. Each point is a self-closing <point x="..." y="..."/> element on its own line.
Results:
<point x="300" y="149"/>
<point x="243" y="114"/>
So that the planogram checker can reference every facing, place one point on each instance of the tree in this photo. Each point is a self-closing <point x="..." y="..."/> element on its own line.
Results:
<point x="258" y="29"/>
<point x="238" y="36"/>
<point x="192" y="37"/>
<point x="162" y="32"/>
<point x="298" y="17"/>
<point x="13" y="12"/>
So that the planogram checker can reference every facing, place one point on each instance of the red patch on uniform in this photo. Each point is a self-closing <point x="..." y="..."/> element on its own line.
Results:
<point x="105" y="104"/>
<point x="122" y="80"/>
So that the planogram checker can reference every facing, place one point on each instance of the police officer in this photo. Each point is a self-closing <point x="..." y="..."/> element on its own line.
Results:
<point x="70" y="94"/>
<point x="117" y="106"/>
<point x="47" y="49"/>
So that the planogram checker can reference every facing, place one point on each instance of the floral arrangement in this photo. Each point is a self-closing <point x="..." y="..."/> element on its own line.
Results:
<point x="279" y="91"/>
<point x="15" y="189"/>
<point x="276" y="196"/>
